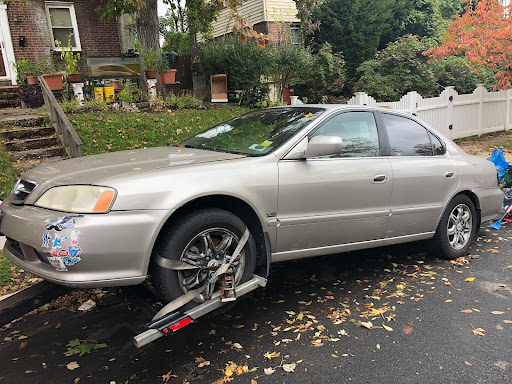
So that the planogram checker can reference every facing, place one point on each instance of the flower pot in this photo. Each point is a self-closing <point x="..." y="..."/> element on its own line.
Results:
<point x="151" y="74"/>
<point x="74" y="77"/>
<point x="54" y="81"/>
<point x="168" y="77"/>
<point x="32" y="80"/>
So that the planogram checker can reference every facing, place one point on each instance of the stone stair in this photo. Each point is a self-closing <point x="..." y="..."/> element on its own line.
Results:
<point x="29" y="142"/>
<point x="8" y="96"/>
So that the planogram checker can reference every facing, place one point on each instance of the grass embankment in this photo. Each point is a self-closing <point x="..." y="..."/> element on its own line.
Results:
<point x="110" y="131"/>
<point x="8" y="175"/>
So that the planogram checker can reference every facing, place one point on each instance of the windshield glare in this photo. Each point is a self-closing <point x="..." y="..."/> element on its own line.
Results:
<point x="255" y="133"/>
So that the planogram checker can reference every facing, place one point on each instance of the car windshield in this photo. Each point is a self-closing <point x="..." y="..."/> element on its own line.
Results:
<point x="255" y="133"/>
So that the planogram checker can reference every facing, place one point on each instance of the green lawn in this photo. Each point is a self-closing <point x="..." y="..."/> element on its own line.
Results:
<point x="5" y="270"/>
<point x="110" y="131"/>
<point x="8" y="175"/>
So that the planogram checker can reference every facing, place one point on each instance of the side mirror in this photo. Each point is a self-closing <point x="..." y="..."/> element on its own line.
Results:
<point x="324" y="146"/>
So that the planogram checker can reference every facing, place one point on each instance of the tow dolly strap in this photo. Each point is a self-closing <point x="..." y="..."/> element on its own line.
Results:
<point x="191" y="295"/>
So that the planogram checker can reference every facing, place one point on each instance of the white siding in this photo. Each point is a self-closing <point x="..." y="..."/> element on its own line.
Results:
<point x="253" y="10"/>
<point x="282" y="10"/>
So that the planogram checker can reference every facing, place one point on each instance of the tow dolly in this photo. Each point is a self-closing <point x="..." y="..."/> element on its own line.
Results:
<point x="170" y="318"/>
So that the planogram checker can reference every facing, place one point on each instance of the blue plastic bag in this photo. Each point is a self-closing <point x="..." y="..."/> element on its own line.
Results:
<point x="498" y="158"/>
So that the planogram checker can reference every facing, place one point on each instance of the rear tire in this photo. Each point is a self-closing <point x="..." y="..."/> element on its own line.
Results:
<point x="201" y="237"/>
<point x="456" y="230"/>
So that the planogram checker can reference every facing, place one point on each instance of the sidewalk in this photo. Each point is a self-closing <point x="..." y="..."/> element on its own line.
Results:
<point x="2" y="242"/>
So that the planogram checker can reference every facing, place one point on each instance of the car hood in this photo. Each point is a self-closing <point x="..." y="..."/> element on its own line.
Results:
<point x="96" y="168"/>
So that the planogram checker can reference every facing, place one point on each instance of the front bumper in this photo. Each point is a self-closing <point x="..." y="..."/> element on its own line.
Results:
<point x="91" y="250"/>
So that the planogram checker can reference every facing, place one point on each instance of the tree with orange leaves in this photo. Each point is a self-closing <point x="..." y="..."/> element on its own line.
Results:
<point x="482" y="32"/>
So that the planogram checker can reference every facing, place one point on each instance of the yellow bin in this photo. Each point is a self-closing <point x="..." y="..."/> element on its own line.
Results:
<point x="98" y="93"/>
<point x="109" y="93"/>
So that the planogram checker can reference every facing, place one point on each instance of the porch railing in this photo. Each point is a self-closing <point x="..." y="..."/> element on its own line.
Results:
<point x="68" y="136"/>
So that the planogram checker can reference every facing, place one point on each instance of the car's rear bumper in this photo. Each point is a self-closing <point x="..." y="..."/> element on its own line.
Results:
<point x="490" y="200"/>
<point x="99" y="250"/>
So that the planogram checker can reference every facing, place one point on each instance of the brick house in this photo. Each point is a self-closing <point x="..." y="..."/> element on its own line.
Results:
<point x="28" y="29"/>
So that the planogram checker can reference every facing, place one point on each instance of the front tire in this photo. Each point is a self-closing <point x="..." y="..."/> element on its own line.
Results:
<point x="456" y="230"/>
<point x="205" y="238"/>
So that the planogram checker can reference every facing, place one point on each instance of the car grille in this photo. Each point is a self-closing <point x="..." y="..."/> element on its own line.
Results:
<point x="14" y="247"/>
<point x="22" y="190"/>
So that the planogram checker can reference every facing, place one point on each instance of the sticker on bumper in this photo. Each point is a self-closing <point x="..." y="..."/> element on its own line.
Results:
<point x="60" y="223"/>
<point x="57" y="263"/>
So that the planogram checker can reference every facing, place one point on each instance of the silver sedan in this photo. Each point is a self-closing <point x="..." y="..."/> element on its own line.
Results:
<point x="305" y="181"/>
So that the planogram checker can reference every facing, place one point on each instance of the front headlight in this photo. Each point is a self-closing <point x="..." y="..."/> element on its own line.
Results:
<point x="78" y="198"/>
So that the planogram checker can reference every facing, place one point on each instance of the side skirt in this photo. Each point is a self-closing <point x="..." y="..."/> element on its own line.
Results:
<point x="332" y="249"/>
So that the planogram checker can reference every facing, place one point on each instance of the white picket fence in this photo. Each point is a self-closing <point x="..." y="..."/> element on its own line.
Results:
<point x="452" y="114"/>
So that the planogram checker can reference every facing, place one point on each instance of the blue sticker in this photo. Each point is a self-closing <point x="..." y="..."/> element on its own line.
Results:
<point x="70" y="260"/>
<point x="46" y="240"/>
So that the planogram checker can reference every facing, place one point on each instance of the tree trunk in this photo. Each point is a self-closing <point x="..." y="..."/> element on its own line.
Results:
<point x="148" y="26"/>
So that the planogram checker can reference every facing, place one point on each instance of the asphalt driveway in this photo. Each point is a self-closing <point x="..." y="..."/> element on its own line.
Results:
<point x="387" y="315"/>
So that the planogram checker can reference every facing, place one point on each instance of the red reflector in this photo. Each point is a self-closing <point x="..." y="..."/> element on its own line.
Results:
<point x="165" y="330"/>
<point x="180" y="324"/>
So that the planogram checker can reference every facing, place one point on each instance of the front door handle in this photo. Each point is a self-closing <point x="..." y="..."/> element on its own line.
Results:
<point x="379" y="179"/>
<point x="449" y="175"/>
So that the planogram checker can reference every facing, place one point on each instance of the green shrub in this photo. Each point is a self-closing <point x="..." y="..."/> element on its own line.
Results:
<point x="182" y="102"/>
<point x="70" y="106"/>
<point x="95" y="105"/>
<point x="243" y="63"/>
<point x="327" y="78"/>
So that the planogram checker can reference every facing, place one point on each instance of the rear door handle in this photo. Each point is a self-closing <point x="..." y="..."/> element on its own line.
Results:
<point x="379" y="179"/>
<point x="449" y="175"/>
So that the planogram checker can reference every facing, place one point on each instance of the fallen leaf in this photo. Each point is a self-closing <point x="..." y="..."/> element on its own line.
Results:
<point x="268" y="371"/>
<point x="497" y="312"/>
<point x="58" y="326"/>
<point x="468" y="363"/>
<point x="271" y="355"/>
<point x="238" y="346"/>
<point x="367" y="324"/>
<point x="469" y="279"/>
<point x="507" y="321"/>
<point x="23" y="345"/>
<point x="254" y="381"/>
<point x="73" y="365"/>
<point x="408" y="329"/>
<point x="479" y="331"/>
<point x="387" y="328"/>
<point x="448" y="301"/>
<point x="335" y="356"/>
<point x="467" y="311"/>
<point x="378" y="346"/>
<point x="289" y="367"/>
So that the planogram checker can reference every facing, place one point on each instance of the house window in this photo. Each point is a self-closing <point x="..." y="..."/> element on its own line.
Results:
<point x="62" y="23"/>
<point x="296" y="36"/>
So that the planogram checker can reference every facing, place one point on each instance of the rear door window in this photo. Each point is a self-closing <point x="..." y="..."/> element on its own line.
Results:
<point x="406" y="137"/>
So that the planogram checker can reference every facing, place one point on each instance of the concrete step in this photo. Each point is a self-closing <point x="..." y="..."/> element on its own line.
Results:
<point x="35" y="154"/>
<point x="5" y="83"/>
<point x="9" y="103"/>
<point x="35" y="143"/>
<point x="29" y="164"/>
<point x="21" y="121"/>
<point x="26" y="133"/>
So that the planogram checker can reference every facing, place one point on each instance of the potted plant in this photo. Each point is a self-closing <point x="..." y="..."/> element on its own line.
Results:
<point x="150" y="58"/>
<point x="165" y="75"/>
<point x="53" y="79"/>
<point x="71" y="59"/>
<point x="25" y="70"/>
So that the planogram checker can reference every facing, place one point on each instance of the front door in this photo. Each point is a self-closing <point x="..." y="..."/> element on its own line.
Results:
<point x="337" y="199"/>
<point x="6" y="47"/>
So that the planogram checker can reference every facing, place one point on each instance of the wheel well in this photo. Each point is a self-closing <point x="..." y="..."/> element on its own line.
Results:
<point x="231" y="204"/>
<point x="476" y="203"/>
